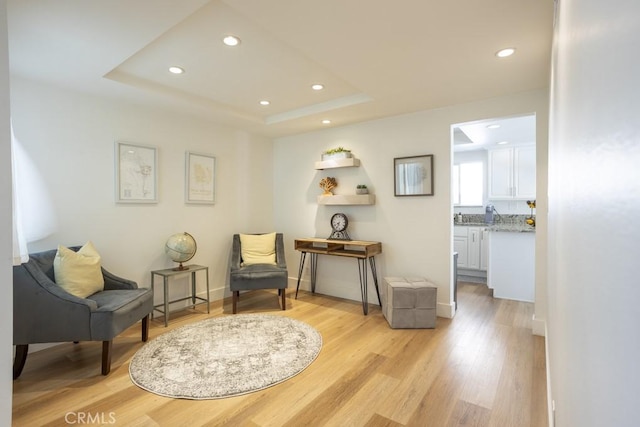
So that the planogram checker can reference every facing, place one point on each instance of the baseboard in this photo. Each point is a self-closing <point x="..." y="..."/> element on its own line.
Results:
<point x="305" y="284"/>
<point x="445" y="310"/>
<point x="215" y="294"/>
<point x="550" y="401"/>
<point x="442" y="309"/>
<point x="472" y="273"/>
<point x="538" y="326"/>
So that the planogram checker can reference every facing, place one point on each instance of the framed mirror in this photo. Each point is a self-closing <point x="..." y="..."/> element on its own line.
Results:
<point x="413" y="176"/>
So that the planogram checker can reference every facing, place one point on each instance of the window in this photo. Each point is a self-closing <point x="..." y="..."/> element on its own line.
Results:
<point x="467" y="184"/>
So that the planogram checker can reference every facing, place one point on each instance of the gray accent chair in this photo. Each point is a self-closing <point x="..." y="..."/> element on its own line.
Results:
<point x="257" y="276"/>
<point x="43" y="312"/>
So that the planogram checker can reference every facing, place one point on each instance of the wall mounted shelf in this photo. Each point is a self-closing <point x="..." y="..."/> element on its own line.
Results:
<point x="338" y="163"/>
<point x="347" y="199"/>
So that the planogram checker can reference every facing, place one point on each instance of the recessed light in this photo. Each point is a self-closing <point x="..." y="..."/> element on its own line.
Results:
<point x="176" y="70"/>
<point x="264" y="102"/>
<point x="230" y="40"/>
<point x="503" y="142"/>
<point x="505" y="52"/>
<point x="495" y="126"/>
<point x="317" y="86"/>
<point x="326" y="122"/>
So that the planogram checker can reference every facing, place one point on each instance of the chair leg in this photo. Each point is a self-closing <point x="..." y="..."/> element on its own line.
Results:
<point x="234" y="303"/>
<point x="145" y="328"/>
<point x="21" y="358"/>
<point x="106" y="357"/>
<point x="284" y="301"/>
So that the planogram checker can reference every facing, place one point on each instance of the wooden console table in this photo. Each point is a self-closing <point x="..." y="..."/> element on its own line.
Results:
<point x="359" y="249"/>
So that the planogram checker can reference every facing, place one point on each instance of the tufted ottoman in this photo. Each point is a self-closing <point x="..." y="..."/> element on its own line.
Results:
<point x="409" y="302"/>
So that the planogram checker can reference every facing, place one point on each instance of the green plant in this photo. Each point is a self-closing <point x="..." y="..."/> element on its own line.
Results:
<point x="336" y="150"/>
<point x="361" y="186"/>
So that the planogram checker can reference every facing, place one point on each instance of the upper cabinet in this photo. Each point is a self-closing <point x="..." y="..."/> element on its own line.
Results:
<point x="512" y="173"/>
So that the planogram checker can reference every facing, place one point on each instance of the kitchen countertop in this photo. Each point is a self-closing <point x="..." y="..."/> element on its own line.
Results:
<point x="514" y="228"/>
<point x="517" y="228"/>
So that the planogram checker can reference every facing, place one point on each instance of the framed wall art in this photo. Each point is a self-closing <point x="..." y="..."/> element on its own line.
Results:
<point x="136" y="175"/>
<point x="413" y="176"/>
<point x="200" y="178"/>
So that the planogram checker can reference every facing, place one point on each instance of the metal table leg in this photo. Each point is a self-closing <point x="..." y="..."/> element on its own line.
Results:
<point x="152" y="290"/>
<point x="374" y="273"/>
<point x="362" y="271"/>
<point x="314" y="271"/>
<point x="302" y="258"/>
<point x="166" y="301"/>
<point x="193" y="287"/>
<point x="206" y="271"/>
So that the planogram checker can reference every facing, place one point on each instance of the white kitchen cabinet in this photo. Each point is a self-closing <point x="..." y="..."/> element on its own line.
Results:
<point x="512" y="173"/>
<point x="468" y="242"/>
<point x="524" y="172"/>
<point x="461" y="245"/>
<point x="474" y="248"/>
<point x="500" y="174"/>
<point x="484" y="249"/>
<point x="511" y="272"/>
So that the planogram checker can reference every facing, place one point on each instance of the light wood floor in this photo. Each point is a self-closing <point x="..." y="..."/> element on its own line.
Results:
<point x="482" y="368"/>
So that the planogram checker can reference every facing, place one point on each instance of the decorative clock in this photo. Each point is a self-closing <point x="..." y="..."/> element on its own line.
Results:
<point x="339" y="223"/>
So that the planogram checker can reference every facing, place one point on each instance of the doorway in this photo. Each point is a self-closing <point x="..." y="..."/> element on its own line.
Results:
<point x="493" y="179"/>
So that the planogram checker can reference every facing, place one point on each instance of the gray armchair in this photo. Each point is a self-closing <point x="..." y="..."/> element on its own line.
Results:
<point x="258" y="276"/>
<point x="43" y="312"/>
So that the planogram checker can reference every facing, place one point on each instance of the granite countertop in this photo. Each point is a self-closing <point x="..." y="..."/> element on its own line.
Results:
<point x="509" y="223"/>
<point x="517" y="228"/>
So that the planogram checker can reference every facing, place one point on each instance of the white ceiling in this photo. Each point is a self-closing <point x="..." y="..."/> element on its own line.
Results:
<point x="492" y="133"/>
<point x="376" y="58"/>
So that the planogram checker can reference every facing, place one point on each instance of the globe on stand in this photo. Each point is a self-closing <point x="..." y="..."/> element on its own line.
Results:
<point x="181" y="247"/>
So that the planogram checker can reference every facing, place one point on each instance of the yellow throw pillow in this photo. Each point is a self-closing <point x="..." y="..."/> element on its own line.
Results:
<point x="79" y="273"/>
<point x="258" y="248"/>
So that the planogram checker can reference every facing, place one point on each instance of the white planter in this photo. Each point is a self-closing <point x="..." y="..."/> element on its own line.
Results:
<point x="340" y="155"/>
<point x="362" y="191"/>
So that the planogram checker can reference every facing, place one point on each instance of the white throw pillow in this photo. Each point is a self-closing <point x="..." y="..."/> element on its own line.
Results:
<point x="79" y="273"/>
<point x="258" y="248"/>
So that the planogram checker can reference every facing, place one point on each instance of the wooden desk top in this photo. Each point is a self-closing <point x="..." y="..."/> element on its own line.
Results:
<point x="348" y="248"/>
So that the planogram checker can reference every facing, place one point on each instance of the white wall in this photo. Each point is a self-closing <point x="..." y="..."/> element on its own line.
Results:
<point x="69" y="138"/>
<point x="594" y="205"/>
<point x="6" y="302"/>
<point x="416" y="232"/>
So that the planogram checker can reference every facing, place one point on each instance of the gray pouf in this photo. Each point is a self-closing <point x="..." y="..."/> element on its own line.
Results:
<point x="409" y="302"/>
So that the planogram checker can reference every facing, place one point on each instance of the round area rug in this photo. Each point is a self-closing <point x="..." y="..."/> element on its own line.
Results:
<point x="225" y="356"/>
